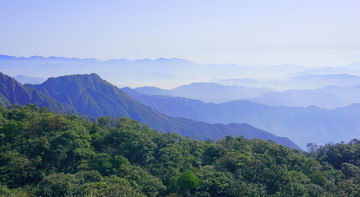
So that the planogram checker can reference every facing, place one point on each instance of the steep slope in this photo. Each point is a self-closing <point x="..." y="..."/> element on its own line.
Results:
<point x="91" y="95"/>
<point x="14" y="93"/>
<point x="301" y="125"/>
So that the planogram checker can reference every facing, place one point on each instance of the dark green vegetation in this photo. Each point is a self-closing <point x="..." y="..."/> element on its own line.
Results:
<point x="93" y="96"/>
<point x="47" y="154"/>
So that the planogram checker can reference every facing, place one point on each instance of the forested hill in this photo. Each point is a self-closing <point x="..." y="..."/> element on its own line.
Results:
<point x="14" y="93"/>
<point x="47" y="154"/>
<point x="91" y="95"/>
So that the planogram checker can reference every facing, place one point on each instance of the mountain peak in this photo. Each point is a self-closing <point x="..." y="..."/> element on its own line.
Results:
<point x="14" y="93"/>
<point x="89" y="94"/>
<point x="77" y="77"/>
<point x="6" y="57"/>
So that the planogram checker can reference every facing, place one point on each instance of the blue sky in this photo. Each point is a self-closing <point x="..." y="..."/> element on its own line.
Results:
<point x="252" y="32"/>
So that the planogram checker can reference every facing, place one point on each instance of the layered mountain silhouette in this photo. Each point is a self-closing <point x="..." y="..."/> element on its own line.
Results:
<point x="208" y="92"/>
<point x="346" y="92"/>
<point x="169" y="72"/>
<point x="303" y="80"/>
<point x="301" y="125"/>
<point x="330" y="97"/>
<point x="91" y="95"/>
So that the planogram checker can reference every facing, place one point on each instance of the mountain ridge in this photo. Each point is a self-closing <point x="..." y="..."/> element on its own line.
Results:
<point x="301" y="125"/>
<point x="14" y="93"/>
<point x="208" y="92"/>
<point x="91" y="95"/>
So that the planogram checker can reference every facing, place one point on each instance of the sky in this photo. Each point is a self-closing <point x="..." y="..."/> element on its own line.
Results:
<point x="244" y="32"/>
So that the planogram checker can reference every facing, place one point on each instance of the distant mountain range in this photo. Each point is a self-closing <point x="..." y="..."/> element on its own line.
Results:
<point x="91" y="95"/>
<point x="302" y="81"/>
<point x="305" y="104"/>
<point x="302" y="125"/>
<point x="329" y="97"/>
<point x="207" y="92"/>
<point x="161" y="72"/>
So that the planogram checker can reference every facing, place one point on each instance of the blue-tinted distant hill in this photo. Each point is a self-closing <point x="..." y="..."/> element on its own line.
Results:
<point x="302" y="125"/>
<point x="207" y="92"/>
<point x="31" y="80"/>
<point x="325" y="91"/>
<point x="300" y="81"/>
<point x="330" y="97"/>
<point x="311" y="81"/>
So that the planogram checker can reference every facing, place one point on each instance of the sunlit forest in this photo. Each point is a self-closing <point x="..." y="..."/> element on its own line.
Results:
<point x="48" y="154"/>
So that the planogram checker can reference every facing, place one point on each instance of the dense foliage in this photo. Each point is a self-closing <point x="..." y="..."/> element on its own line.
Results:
<point x="47" y="154"/>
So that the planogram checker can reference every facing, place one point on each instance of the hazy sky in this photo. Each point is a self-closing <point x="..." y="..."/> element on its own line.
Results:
<point x="252" y="32"/>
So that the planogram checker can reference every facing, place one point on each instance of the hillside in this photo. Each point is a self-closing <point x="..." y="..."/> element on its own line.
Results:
<point x="47" y="154"/>
<point x="14" y="93"/>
